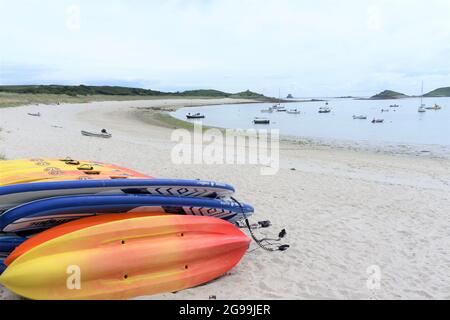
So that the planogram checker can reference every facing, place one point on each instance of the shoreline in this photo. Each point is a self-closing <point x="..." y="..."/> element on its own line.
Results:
<point x="343" y="210"/>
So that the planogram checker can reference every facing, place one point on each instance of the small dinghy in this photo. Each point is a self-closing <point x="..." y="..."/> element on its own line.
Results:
<point x="384" y="110"/>
<point x="359" y="117"/>
<point x="34" y="114"/>
<point x="435" y="107"/>
<point x="294" y="111"/>
<point x="377" y="120"/>
<point x="102" y="134"/>
<point x="394" y="106"/>
<point x="324" y="110"/>
<point x="195" y="116"/>
<point x="261" y="121"/>
<point x="270" y="110"/>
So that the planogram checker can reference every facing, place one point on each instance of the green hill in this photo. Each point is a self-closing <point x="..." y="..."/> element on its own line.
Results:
<point x="83" y="90"/>
<point x="80" y="90"/>
<point x="203" y="93"/>
<point x="441" y="92"/>
<point x="389" y="94"/>
<point x="248" y="95"/>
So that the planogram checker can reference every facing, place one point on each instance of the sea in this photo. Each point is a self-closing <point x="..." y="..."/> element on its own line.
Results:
<point x="404" y="129"/>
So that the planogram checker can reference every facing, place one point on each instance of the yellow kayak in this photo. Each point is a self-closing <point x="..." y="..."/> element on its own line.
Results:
<point x="36" y="170"/>
<point x="126" y="258"/>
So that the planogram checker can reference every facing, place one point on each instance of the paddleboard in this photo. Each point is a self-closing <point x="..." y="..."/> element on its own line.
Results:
<point x="46" y="213"/>
<point x="14" y="195"/>
<point x="128" y="258"/>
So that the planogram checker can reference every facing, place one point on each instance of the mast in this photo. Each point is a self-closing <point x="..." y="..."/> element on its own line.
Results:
<point x="421" y="97"/>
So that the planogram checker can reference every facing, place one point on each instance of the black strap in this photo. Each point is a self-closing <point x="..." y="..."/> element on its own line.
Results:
<point x="269" y="246"/>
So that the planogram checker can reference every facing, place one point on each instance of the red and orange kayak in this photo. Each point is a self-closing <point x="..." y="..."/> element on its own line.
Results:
<point x="120" y="259"/>
<point x="71" y="227"/>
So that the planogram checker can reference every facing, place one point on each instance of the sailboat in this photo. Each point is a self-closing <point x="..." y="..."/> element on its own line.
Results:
<point x="278" y="105"/>
<point x="422" y="105"/>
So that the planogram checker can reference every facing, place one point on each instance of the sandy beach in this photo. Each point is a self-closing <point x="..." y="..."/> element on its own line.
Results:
<point x="344" y="210"/>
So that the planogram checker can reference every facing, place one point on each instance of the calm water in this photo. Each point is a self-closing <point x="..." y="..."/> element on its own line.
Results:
<point x="403" y="125"/>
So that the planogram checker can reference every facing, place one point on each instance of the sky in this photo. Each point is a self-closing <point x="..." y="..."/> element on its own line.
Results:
<point x="306" y="48"/>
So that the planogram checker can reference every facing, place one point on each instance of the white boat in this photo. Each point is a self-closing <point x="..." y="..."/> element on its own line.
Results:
<point x="394" y="106"/>
<point x="324" y="110"/>
<point x="422" y="108"/>
<point x="293" y="111"/>
<point x="97" y="135"/>
<point x="377" y="120"/>
<point x="360" y="117"/>
<point x="270" y="110"/>
<point x="34" y="114"/>
<point x="281" y="109"/>
<point x="261" y="121"/>
<point x="384" y="110"/>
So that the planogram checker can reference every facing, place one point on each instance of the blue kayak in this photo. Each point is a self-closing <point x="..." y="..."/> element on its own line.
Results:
<point x="2" y="266"/>
<point x="8" y="243"/>
<point x="14" y="195"/>
<point x="46" y="213"/>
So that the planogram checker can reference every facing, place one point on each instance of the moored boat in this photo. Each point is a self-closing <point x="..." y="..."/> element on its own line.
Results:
<point x="195" y="116"/>
<point x="270" y="110"/>
<point x="261" y="121"/>
<point x="435" y="107"/>
<point x="103" y="134"/>
<point x="324" y="110"/>
<point x="422" y="106"/>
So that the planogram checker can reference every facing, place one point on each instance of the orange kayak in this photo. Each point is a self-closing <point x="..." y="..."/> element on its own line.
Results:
<point x="120" y="259"/>
<point x="71" y="227"/>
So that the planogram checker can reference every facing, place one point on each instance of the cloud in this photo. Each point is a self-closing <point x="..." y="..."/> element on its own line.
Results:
<point x="315" y="48"/>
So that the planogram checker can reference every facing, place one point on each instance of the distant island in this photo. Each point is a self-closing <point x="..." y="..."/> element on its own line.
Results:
<point x="441" y="92"/>
<point x="388" y="94"/>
